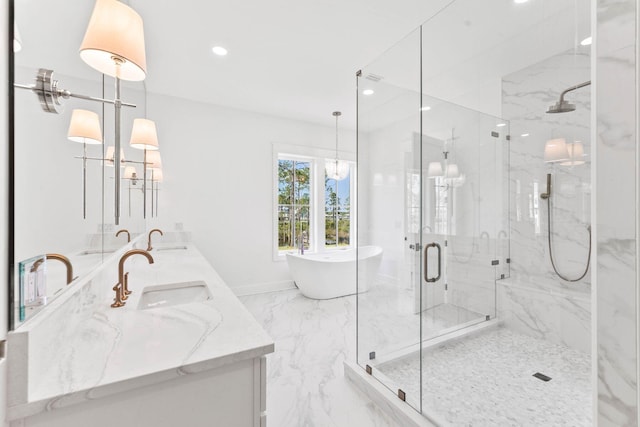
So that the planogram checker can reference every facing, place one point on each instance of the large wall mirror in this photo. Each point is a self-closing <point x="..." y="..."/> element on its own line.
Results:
<point x="65" y="185"/>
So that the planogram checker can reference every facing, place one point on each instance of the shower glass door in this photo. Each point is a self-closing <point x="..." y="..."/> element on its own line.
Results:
<point x="462" y="201"/>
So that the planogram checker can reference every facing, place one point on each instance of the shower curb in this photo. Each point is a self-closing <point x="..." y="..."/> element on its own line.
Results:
<point x="384" y="399"/>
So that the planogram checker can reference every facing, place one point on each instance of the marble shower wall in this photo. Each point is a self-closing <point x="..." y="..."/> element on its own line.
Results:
<point x="616" y="211"/>
<point x="534" y="300"/>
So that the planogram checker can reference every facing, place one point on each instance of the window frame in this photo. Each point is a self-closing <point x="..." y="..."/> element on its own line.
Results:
<point x="317" y="158"/>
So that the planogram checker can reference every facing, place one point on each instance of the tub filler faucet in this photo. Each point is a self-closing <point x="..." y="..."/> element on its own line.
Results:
<point x="301" y="245"/>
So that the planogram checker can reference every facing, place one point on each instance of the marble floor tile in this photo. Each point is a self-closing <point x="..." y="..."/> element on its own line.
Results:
<point x="484" y="380"/>
<point x="305" y="375"/>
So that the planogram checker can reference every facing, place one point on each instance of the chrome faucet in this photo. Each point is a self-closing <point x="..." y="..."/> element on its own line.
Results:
<point x="301" y="244"/>
<point x="122" y="287"/>
<point x="149" y="248"/>
<point x="124" y="230"/>
<point x="63" y="259"/>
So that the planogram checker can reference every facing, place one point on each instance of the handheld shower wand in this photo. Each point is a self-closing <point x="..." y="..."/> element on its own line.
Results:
<point x="547" y="196"/>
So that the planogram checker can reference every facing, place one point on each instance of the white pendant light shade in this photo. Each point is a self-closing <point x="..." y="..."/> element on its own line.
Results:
<point x="85" y="127"/>
<point x="435" y="170"/>
<point x="17" y="40"/>
<point x="144" y="135"/>
<point x="337" y="169"/>
<point x="576" y="154"/>
<point x="555" y="150"/>
<point x="114" y="41"/>
<point x="130" y="172"/>
<point x="156" y="175"/>
<point x="153" y="160"/>
<point x="452" y="171"/>
<point x="109" y="157"/>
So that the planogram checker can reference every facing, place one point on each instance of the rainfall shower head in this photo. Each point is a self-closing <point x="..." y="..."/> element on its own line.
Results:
<point x="563" y="106"/>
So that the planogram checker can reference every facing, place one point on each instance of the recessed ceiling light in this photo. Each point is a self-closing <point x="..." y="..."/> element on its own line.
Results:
<point x="499" y="125"/>
<point x="219" y="50"/>
<point x="587" y="41"/>
<point x="425" y="108"/>
<point x="368" y="92"/>
<point x="524" y="135"/>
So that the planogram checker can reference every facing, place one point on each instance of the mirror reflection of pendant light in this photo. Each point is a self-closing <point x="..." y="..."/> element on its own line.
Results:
<point x="555" y="150"/>
<point x="131" y="173"/>
<point x="153" y="160"/>
<point x="452" y="171"/>
<point x="84" y="128"/>
<point x="576" y="154"/>
<point x="435" y="170"/>
<point x="110" y="154"/>
<point x="336" y="169"/>
<point x="144" y="135"/>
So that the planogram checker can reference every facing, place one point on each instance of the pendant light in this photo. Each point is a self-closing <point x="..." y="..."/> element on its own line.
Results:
<point x="337" y="169"/>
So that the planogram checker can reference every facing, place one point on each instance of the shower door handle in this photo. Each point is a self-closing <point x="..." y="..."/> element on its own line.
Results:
<point x="426" y="262"/>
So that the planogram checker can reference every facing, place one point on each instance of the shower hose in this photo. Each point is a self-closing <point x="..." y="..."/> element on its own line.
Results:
<point x="551" y="250"/>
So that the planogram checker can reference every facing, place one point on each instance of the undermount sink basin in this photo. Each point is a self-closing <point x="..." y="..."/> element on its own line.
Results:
<point x="158" y="296"/>
<point x="170" y="248"/>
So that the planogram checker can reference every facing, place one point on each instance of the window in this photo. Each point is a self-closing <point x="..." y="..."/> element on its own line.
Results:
<point x="294" y="197"/>
<point x="309" y="208"/>
<point x="337" y="215"/>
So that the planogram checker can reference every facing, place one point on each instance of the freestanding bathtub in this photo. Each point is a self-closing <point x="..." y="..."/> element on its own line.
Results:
<point x="333" y="274"/>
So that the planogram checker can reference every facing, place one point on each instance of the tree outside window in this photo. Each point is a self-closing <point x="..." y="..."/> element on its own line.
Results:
<point x="294" y="194"/>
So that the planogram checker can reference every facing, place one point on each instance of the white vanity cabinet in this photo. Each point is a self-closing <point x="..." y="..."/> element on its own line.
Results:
<point x="82" y="363"/>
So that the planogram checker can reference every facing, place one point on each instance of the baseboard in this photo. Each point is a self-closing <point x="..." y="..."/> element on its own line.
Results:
<point x="263" y="288"/>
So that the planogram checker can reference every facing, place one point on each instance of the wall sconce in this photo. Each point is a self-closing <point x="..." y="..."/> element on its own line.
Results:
<point x="114" y="45"/>
<point x="435" y="170"/>
<point x="84" y="127"/>
<point x="555" y="150"/>
<point x="144" y="136"/>
<point x="576" y="154"/>
<point x="153" y="160"/>
<point x="336" y="169"/>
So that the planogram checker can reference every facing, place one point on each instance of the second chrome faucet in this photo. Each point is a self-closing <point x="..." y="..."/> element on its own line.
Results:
<point x="122" y="287"/>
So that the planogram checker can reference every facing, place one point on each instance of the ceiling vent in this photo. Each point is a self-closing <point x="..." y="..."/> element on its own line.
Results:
<point x="373" y="77"/>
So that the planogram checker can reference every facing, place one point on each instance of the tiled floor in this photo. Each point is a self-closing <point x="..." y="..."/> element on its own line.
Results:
<point x="487" y="380"/>
<point x="305" y="376"/>
<point x="480" y="381"/>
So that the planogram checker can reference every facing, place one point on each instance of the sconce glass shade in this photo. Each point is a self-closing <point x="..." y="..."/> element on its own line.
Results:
<point x="156" y="175"/>
<point x="114" y="41"/>
<point x="555" y="150"/>
<point x="144" y="135"/>
<point x="153" y="160"/>
<point x="452" y="171"/>
<point x="435" y="170"/>
<point x="130" y="172"/>
<point x="576" y="154"/>
<point x="336" y="169"/>
<point x="85" y="127"/>
<point x="109" y="157"/>
<point x="17" y="40"/>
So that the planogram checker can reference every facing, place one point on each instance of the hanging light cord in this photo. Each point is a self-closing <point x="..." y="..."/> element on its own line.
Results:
<point x="337" y="114"/>
<point x="553" y="264"/>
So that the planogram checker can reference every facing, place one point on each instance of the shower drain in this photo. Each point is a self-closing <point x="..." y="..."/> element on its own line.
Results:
<point x="542" y="377"/>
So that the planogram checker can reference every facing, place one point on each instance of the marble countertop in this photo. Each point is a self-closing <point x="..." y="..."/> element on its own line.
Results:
<point x="108" y="350"/>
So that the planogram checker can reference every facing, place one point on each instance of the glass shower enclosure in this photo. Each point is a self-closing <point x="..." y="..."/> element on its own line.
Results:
<point x="433" y="194"/>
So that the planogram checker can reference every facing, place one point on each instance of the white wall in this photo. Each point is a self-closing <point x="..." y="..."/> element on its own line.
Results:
<point x="217" y="166"/>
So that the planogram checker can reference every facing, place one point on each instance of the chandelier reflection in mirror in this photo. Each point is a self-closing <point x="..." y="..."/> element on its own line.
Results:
<point x="337" y="169"/>
<point x="114" y="45"/>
